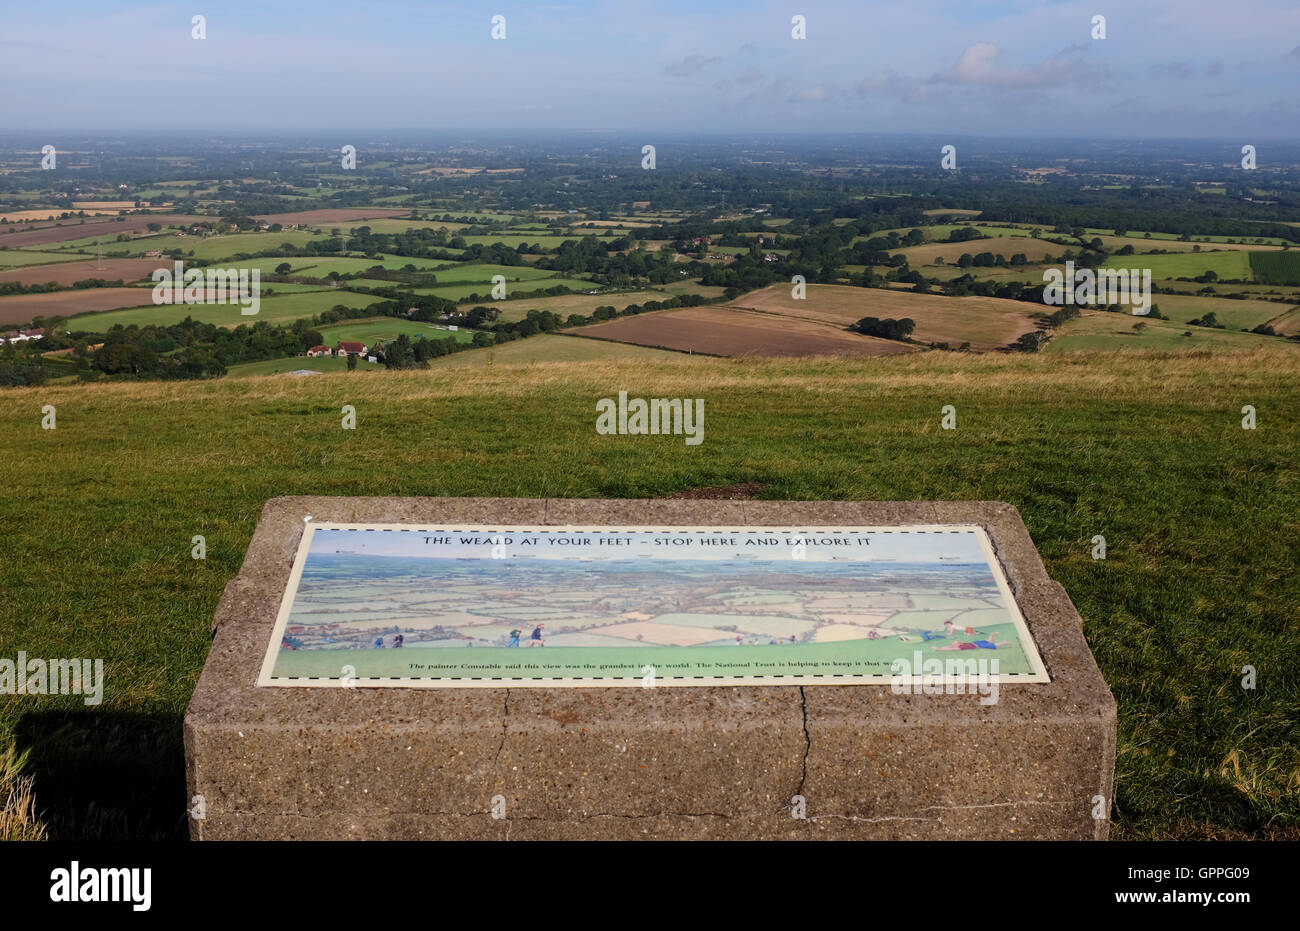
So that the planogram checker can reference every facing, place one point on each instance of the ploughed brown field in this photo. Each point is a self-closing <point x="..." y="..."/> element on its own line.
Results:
<point x="339" y="215"/>
<point x="94" y="226"/>
<point x="67" y="273"/>
<point x="21" y="308"/>
<point x="984" y="322"/>
<point x="726" y="331"/>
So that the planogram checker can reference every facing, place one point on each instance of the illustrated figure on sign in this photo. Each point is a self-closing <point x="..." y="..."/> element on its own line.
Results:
<point x="379" y="643"/>
<point x="514" y="637"/>
<point x="536" y="639"/>
<point x="974" y="645"/>
<point x="397" y="642"/>
<point x="950" y="629"/>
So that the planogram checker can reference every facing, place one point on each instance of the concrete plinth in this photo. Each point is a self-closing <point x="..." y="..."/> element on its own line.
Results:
<point x="613" y="763"/>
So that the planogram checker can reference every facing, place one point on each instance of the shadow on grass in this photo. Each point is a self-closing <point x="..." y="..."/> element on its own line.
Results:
<point x="106" y="776"/>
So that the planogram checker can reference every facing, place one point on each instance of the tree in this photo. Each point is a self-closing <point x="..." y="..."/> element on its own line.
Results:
<point x="283" y="268"/>
<point x="885" y="329"/>
<point x="352" y="362"/>
<point x="1031" y="341"/>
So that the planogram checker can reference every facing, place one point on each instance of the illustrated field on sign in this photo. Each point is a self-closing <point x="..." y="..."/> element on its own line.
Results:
<point x="471" y="606"/>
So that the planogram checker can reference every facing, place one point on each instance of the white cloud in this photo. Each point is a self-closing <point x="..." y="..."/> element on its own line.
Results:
<point x="979" y="66"/>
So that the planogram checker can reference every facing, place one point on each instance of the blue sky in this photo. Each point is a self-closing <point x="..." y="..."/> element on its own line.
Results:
<point x="1168" y="68"/>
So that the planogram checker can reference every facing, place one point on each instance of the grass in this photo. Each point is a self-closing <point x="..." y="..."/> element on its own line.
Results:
<point x="481" y="273"/>
<point x="1234" y="265"/>
<point x="284" y="366"/>
<point x="1144" y="448"/>
<point x="18" y="817"/>
<point x="367" y="331"/>
<point x="1099" y="330"/>
<point x="456" y="292"/>
<point x="279" y="308"/>
<point x="985" y="322"/>
<point x="216" y="248"/>
<point x="547" y="348"/>
<point x="584" y="304"/>
<point x="1161" y="238"/>
<point x="1278" y="267"/>
<point x="14" y="258"/>
<point x="1180" y="308"/>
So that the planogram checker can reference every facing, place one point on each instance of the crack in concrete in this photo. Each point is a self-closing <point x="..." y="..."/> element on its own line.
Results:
<point x="807" y="748"/>
<point x="807" y="740"/>
<point x="505" y="722"/>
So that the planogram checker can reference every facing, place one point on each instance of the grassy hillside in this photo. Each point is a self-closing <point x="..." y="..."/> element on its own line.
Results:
<point x="1145" y="448"/>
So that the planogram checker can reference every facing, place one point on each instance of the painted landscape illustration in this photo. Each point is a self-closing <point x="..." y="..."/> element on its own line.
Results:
<point x="562" y="604"/>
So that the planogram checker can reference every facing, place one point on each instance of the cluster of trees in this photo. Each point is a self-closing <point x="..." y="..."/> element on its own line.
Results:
<point x="189" y="349"/>
<point x="1032" y="341"/>
<point x="406" y="353"/>
<point x="608" y="312"/>
<point x="17" y="287"/>
<point x="18" y="371"/>
<point x="1209" y="320"/>
<point x="994" y="260"/>
<point x="885" y="329"/>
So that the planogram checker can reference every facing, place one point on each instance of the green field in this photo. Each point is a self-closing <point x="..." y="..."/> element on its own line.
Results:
<point x="321" y="266"/>
<point x="322" y="364"/>
<point x="585" y="304"/>
<point x="567" y="656"/>
<point x="291" y="287"/>
<point x="456" y="292"/>
<point x="1230" y="265"/>
<point x="1144" y="448"/>
<point x="547" y="242"/>
<point x="400" y="226"/>
<point x="14" y="258"/>
<point x="1275" y="267"/>
<point x="1180" y="308"/>
<point x="1157" y="239"/>
<point x="386" y="328"/>
<point x="481" y="273"/>
<point x="218" y="248"/>
<point x="547" y="347"/>
<point x="1110" y="331"/>
<point x="276" y="309"/>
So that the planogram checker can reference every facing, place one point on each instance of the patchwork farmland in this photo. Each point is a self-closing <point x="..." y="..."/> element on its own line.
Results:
<point x="730" y="331"/>
<point x="985" y="323"/>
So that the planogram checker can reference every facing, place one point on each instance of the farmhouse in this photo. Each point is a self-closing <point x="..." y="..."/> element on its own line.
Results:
<point x="350" y="349"/>
<point x="22" y="336"/>
<point x="315" y="351"/>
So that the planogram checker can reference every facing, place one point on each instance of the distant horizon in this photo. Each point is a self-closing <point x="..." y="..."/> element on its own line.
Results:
<point x="407" y="135"/>
<point x="1169" y="68"/>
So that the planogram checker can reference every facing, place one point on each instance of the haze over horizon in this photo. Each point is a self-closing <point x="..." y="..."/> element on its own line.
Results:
<point x="1015" y="68"/>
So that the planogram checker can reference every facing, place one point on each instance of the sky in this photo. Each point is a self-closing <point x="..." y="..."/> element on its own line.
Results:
<point x="1166" y="69"/>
